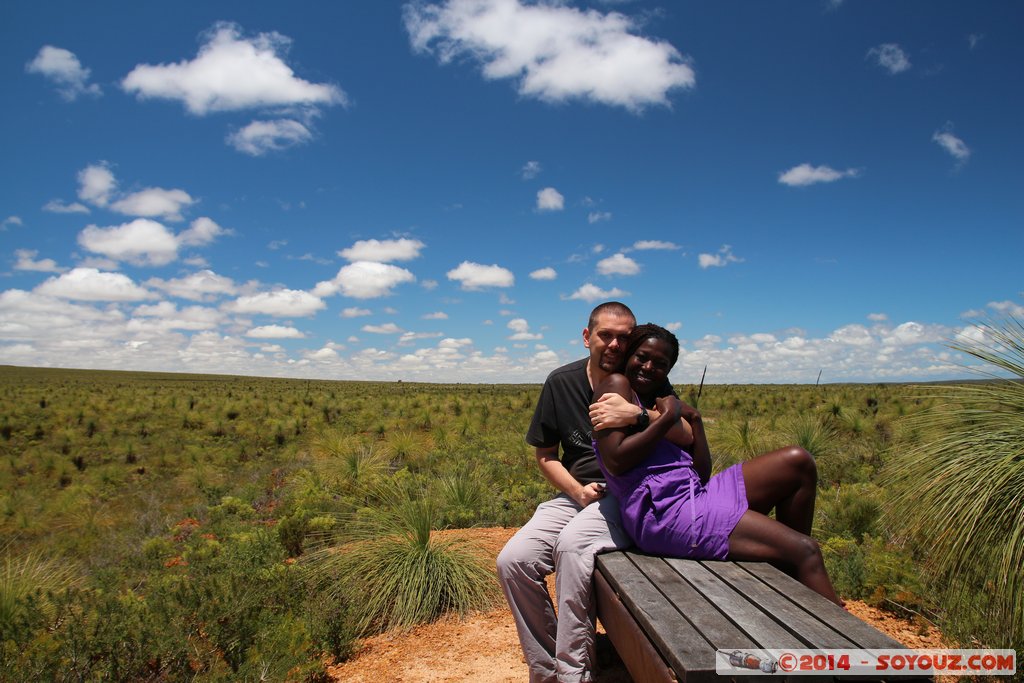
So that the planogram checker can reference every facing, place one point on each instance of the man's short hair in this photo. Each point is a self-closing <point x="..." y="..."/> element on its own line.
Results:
<point x="614" y="308"/>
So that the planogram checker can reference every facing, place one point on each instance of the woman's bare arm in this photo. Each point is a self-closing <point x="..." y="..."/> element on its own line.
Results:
<point x="620" y="451"/>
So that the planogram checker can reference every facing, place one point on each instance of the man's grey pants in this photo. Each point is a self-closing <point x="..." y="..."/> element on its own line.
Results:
<point x="564" y="538"/>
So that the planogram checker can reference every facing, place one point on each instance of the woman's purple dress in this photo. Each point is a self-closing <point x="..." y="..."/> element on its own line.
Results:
<point x="667" y="511"/>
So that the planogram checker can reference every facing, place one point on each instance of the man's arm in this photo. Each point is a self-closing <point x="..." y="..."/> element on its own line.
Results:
<point x="612" y="411"/>
<point x="554" y="471"/>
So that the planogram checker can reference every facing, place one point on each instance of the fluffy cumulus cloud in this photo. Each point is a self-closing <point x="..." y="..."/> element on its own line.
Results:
<point x="953" y="145"/>
<point x="90" y="284"/>
<point x="550" y="199"/>
<point x="554" y="52"/>
<point x="145" y="242"/>
<point x="619" y="264"/>
<point x="806" y="174"/>
<point x="163" y="317"/>
<point x="231" y="72"/>
<point x="365" y="280"/>
<point x="59" y="206"/>
<point x="62" y="68"/>
<point x="27" y="261"/>
<point x="544" y="274"/>
<point x="96" y="184"/>
<point x="722" y="258"/>
<point x="275" y="332"/>
<point x="474" y="276"/>
<point x="383" y="251"/>
<point x="355" y="312"/>
<point x="890" y="57"/>
<point x="591" y="293"/>
<point x="521" y="330"/>
<point x="386" y="328"/>
<point x="154" y="202"/>
<point x="204" y="285"/>
<point x="436" y="315"/>
<point x="10" y="221"/>
<point x="281" y="303"/>
<point x="260" y="137"/>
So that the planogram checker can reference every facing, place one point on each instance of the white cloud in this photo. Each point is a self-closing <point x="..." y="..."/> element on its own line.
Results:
<point x="58" y="206"/>
<point x="204" y="285"/>
<point x="530" y="170"/>
<point x="89" y="284"/>
<point x="429" y="285"/>
<point x="475" y="276"/>
<point x="354" y="312"/>
<point x="154" y="201"/>
<point x="437" y="315"/>
<point x="891" y="57"/>
<point x="202" y="231"/>
<point x="805" y="174"/>
<point x="231" y="73"/>
<point x="275" y="332"/>
<point x="163" y="317"/>
<point x="141" y="242"/>
<point x="878" y="317"/>
<point x="673" y="326"/>
<point x="62" y="68"/>
<point x="260" y="137"/>
<point x="10" y="220"/>
<point x="549" y="199"/>
<point x="521" y="330"/>
<point x="956" y="147"/>
<point x="27" y="261"/>
<point x="853" y="335"/>
<point x="1007" y="308"/>
<point x="282" y="303"/>
<point x="643" y="245"/>
<point x="598" y="216"/>
<point x="619" y="264"/>
<point x="544" y="274"/>
<point x="555" y="52"/>
<point x="723" y="258"/>
<point x="383" y="251"/>
<point x="96" y="183"/>
<point x="365" y="280"/>
<point x="386" y="328"/>
<point x="591" y="293"/>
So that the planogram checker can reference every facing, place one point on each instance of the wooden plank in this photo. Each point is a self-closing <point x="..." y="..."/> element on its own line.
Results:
<point x="861" y="634"/>
<point x="636" y="651"/>
<point x="687" y="652"/>
<point x="785" y="612"/>
<point x="761" y="628"/>
<point x="705" y="617"/>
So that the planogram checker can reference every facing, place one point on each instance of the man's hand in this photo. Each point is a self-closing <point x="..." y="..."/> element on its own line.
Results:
<point x="590" y="493"/>
<point x="612" y="412"/>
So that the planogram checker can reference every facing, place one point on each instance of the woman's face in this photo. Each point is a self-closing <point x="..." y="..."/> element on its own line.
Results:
<point x="647" y="369"/>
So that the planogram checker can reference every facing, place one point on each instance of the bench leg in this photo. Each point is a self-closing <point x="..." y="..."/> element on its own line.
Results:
<point x="641" y="659"/>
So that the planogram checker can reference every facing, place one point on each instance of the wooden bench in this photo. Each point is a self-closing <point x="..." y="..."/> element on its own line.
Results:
<point x="668" y="617"/>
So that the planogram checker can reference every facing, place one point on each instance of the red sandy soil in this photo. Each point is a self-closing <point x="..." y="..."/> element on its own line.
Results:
<point x="483" y="646"/>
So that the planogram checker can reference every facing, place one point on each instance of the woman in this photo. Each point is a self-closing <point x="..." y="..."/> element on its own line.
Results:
<point x="672" y="506"/>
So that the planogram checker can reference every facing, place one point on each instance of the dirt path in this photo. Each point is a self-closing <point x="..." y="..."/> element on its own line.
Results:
<point x="483" y="647"/>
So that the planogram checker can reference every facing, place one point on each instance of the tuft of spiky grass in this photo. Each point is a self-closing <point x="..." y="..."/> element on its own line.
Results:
<point x="395" y="573"/>
<point x="961" y="491"/>
<point x="28" y="576"/>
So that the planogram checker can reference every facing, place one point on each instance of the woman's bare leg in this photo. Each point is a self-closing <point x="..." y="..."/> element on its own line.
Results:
<point x="761" y="538"/>
<point x="787" y="480"/>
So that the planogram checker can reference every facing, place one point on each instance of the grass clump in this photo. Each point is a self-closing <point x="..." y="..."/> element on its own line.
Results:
<point x="395" y="573"/>
<point x="960" y="491"/>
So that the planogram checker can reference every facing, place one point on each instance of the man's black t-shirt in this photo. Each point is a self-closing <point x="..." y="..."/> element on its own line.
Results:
<point x="562" y="417"/>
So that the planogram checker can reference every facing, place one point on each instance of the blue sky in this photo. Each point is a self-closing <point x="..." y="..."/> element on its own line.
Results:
<point x="441" y="191"/>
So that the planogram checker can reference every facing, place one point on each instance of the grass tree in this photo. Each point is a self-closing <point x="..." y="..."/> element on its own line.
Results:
<point x="960" y="490"/>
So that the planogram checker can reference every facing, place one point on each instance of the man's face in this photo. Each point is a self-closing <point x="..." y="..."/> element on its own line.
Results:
<point x="607" y="340"/>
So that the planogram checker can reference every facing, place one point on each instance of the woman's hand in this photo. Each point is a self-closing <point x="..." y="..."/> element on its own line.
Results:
<point x="672" y="406"/>
<point x="690" y="414"/>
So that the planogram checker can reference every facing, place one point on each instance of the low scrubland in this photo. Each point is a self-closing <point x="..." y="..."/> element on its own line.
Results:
<point x="172" y="527"/>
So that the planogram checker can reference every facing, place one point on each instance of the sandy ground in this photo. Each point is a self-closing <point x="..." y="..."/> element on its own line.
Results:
<point x="483" y="647"/>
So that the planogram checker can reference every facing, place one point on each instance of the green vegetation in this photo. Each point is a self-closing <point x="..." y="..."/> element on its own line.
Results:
<point x="173" y="527"/>
<point x="960" y="492"/>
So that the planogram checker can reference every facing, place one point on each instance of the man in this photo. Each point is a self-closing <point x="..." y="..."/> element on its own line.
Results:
<point x="567" y="532"/>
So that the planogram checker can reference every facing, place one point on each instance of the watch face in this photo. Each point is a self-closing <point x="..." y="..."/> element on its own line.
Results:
<point x="643" y="419"/>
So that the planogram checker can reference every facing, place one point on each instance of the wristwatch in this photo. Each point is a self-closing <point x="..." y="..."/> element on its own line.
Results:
<point x="643" y="419"/>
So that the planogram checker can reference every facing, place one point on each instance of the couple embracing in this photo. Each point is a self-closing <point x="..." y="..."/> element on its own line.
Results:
<point x="635" y="468"/>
